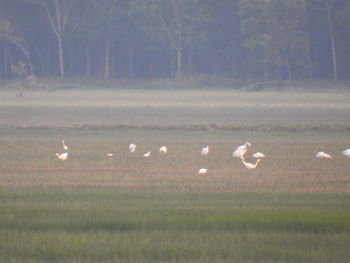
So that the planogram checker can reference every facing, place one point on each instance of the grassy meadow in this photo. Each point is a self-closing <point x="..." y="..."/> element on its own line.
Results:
<point x="93" y="208"/>
<point x="111" y="226"/>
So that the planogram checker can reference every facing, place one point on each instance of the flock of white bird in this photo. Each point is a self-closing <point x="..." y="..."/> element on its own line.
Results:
<point x="324" y="155"/>
<point x="239" y="152"/>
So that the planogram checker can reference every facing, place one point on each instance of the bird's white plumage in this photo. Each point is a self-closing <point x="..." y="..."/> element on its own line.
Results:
<point x="202" y="171"/>
<point x="62" y="156"/>
<point x="241" y="150"/>
<point x="147" y="154"/>
<point x="110" y="155"/>
<point x="323" y="155"/>
<point x="65" y="147"/>
<point x="163" y="149"/>
<point x="132" y="147"/>
<point x="346" y="152"/>
<point x="250" y="165"/>
<point x="258" y="155"/>
<point x="205" y="150"/>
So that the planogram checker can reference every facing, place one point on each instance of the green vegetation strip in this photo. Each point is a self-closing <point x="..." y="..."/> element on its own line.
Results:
<point x="96" y="226"/>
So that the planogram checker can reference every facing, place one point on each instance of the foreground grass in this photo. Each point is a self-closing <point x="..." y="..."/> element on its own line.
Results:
<point x="85" y="226"/>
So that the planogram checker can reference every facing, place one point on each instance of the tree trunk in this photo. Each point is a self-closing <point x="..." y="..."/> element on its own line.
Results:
<point x="151" y="65"/>
<point x="60" y="50"/>
<point x="5" y="67"/>
<point x="289" y="69"/>
<point x="178" y="62"/>
<point x="171" y="56"/>
<point x="87" y="61"/>
<point x="190" y="63"/>
<point x="40" y="60"/>
<point x="106" y="75"/>
<point x="131" y="63"/>
<point x="10" y="62"/>
<point x="233" y="66"/>
<point x="331" y="35"/>
<point x="279" y="72"/>
<point x="48" y="60"/>
<point x="309" y="65"/>
<point x="266" y="73"/>
<point x="30" y="65"/>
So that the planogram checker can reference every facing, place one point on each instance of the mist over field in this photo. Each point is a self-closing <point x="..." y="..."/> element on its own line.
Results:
<point x="220" y="108"/>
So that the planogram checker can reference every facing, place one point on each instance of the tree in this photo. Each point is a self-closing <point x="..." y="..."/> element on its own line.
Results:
<point x="331" y="7"/>
<point x="328" y="6"/>
<point x="148" y="38"/>
<point x="343" y="20"/>
<point x="105" y="26"/>
<point x="10" y="35"/>
<point x="58" y="12"/>
<point x="272" y="32"/>
<point x="84" y="31"/>
<point x="176" y="23"/>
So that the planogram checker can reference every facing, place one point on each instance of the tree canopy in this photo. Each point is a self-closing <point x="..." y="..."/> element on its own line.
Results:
<point x="260" y="39"/>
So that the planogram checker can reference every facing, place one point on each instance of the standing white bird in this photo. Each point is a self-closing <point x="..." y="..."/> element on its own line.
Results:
<point x="62" y="156"/>
<point x="202" y="171"/>
<point x="346" y="152"/>
<point x="241" y="150"/>
<point x="163" y="149"/>
<point x="250" y="165"/>
<point x="110" y="155"/>
<point x="205" y="151"/>
<point x="132" y="147"/>
<point x="258" y="155"/>
<point x="65" y="147"/>
<point x="323" y="155"/>
<point x="147" y="154"/>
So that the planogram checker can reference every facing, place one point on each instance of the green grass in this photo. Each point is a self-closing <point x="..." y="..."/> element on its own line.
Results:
<point x="95" y="226"/>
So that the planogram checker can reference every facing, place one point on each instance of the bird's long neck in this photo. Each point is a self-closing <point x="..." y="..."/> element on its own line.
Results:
<point x="257" y="161"/>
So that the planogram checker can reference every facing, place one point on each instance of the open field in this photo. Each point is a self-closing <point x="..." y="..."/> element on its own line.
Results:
<point x="109" y="226"/>
<point x="229" y="109"/>
<point x="290" y="128"/>
<point x="92" y="208"/>
<point x="28" y="160"/>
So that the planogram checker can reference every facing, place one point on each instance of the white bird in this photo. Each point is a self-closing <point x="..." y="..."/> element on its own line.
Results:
<point x="205" y="151"/>
<point x="132" y="147"/>
<point x="202" y="171"/>
<point x="65" y="147"/>
<point x="110" y="155"/>
<point x="258" y="155"/>
<point x="250" y="165"/>
<point x="323" y="155"/>
<point x="163" y="149"/>
<point x="241" y="150"/>
<point x="147" y="154"/>
<point x="62" y="156"/>
<point x="346" y="152"/>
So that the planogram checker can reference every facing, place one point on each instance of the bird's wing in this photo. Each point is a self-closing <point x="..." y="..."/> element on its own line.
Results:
<point x="239" y="151"/>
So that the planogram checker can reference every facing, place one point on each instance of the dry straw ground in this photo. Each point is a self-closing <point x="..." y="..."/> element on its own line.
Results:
<point x="289" y="127"/>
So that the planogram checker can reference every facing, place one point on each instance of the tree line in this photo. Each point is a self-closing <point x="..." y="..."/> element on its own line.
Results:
<point x="260" y="39"/>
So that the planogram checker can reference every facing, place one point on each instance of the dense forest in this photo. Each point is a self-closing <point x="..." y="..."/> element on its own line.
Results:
<point x="258" y="39"/>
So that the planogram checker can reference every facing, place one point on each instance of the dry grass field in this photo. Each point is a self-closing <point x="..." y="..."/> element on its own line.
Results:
<point x="289" y="127"/>
<point x="93" y="208"/>
<point x="28" y="160"/>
